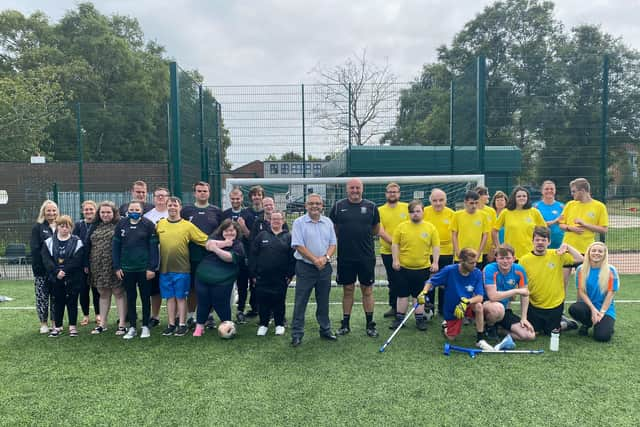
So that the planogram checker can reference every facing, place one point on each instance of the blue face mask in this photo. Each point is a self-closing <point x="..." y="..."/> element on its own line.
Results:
<point x="134" y="215"/>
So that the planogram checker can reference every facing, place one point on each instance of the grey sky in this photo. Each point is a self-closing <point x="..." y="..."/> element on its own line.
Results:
<point x="280" y="41"/>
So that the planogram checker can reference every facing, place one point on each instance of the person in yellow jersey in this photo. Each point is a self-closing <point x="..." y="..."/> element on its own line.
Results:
<point x="518" y="219"/>
<point x="470" y="228"/>
<point x="175" y="234"/>
<point x="413" y="242"/>
<point x="581" y="219"/>
<point x="484" y="206"/>
<point x="441" y="217"/>
<point x="392" y="213"/>
<point x="546" y="290"/>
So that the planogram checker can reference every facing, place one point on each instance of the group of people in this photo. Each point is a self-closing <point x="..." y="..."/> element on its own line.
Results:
<point x="481" y="259"/>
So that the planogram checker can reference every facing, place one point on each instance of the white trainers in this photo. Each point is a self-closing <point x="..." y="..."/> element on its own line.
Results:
<point x="130" y="333"/>
<point x="262" y="331"/>
<point x="485" y="346"/>
<point x="146" y="333"/>
<point x="279" y="330"/>
<point x="44" y="329"/>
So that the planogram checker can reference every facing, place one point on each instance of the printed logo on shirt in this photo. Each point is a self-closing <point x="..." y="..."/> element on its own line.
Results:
<point x="424" y="235"/>
<point x="591" y="214"/>
<point x="478" y="223"/>
<point x="445" y="221"/>
<point x="529" y="220"/>
<point x="363" y="210"/>
<point x="555" y="212"/>
<point x="403" y="215"/>
<point x="511" y="282"/>
<point x="551" y="265"/>
<point x="469" y="288"/>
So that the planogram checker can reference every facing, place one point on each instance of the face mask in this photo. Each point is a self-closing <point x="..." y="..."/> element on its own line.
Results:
<point x="134" y="215"/>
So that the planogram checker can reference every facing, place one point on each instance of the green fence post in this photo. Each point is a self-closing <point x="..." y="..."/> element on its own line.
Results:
<point x="480" y="111"/>
<point x="349" y="130"/>
<point x="452" y="118"/>
<point x="203" y="152"/>
<point x="175" y="131"/>
<point x="54" y="191"/>
<point x="304" y="145"/>
<point x="80" y="154"/>
<point x="169" y="171"/>
<point x="604" y="129"/>
<point x="219" y="153"/>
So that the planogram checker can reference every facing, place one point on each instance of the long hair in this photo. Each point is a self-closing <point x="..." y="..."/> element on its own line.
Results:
<point x="511" y="202"/>
<point x="43" y="207"/>
<point x="227" y="223"/>
<point x="109" y="204"/>
<point x="604" y="274"/>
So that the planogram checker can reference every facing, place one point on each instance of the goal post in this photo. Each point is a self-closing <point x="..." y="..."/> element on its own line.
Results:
<point x="290" y="193"/>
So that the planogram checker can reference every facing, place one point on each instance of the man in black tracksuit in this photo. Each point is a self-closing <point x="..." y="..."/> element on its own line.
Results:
<point x="272" y="264"/>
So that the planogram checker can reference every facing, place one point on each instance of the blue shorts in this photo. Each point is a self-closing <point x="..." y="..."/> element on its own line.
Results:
<point x="175" y="285"/>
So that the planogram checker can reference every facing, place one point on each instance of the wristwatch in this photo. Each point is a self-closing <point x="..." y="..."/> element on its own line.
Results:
<point x="328" y="257"/>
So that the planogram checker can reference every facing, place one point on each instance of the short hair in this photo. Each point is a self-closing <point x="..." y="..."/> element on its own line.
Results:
<point x="43" y="207"/>
<point x="433" y="190"/>
<point x="505" y="249"/>
<point x="511" y="202"/>
<point x="201" y="184"/>
<point x="392" y="185"/>
<point x="547" y="181"/>
<point x="498" y="195"/>
<point x="255" y="190"/>
<point x="226" y="224"/>
<point x="161" y="189"/>
<point x="136" y="202"/>
<point x="89" y="202"/>
<point x="114" y="209"/>
<point x="315" y="195"/>
<point x="581" y="184"/>
<point x="481" y="190"/>
<point x="236" y="190"/>
<point x="467" y="253"/>
<point x="541" y="232"/>
<point x="275" y="211"/>
<point x="65" y="220"/>
<point x="139" y="184"/>
<point x="174" y="199"/>
<point x="471" y="195"/>
<point x="414" y="203"/>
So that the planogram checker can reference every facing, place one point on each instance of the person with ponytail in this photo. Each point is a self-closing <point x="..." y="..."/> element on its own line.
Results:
<point x="597" y="282"/>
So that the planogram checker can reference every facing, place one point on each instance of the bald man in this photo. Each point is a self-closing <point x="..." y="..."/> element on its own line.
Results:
<point x="356" y="221"/>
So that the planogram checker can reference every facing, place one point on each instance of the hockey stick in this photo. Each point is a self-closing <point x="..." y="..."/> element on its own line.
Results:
<point x="406" y="317"/>
<point x="448" y="348"/>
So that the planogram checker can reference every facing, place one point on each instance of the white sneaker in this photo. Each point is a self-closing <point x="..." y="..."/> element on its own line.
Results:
<point x="279" y="330"/>
<point x="262" y="331"/>
<point x="485" y="346"/>
<point x="44" y="329"/>
<point x="130" y="333"/>
<point x="146" y="333"/>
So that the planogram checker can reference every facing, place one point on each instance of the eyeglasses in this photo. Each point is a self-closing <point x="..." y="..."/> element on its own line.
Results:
<point x="160" y="196"/>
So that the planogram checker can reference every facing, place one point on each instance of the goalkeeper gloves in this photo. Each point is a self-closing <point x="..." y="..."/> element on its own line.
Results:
<point x="422" y="298"/>
<point x="461" y="308"/>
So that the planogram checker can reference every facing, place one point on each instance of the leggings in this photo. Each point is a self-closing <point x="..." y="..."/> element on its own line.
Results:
<point x="65" y="296"/>
<point x="84" y="297"/>
<point x="271" y="294"/>
<point x="213" y="296"/>
<point x="44" y="299"/>
<point x="602" y="331"/>
<point x="131" y="279"/>
<point x="244" y="284"/>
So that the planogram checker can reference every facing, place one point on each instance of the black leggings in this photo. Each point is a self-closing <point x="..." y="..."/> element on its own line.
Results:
<point x="130" y="280"/>
<point x="84" y="297"/>
<point x="64" y="296"/>
<point x="271" y="295"/>
<point x="602" y="331"/>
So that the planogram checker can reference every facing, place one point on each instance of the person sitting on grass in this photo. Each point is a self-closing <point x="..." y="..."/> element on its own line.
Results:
<point x="217" y="272"/>
<point x="463" y="295"/>
<point x="597" y="282"/>
<point x="63" y="259"/>
<point x="504" y="280"/>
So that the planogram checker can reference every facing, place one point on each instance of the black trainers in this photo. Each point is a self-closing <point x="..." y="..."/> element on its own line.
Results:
<point x="394" y="325"/>
<point x="169" y="331"/>
<point x="568" y="324"/>
<point x="371" y="330"/>
<point x="191" y="322"/>
<point x="491" y="332"/>
<point x="583" y="330"/>
<point x="181" y="331"/>
<point x="390" y="313"/>
<point x="344" y="330"/>
<point x="241" y="318"/>
<point x="153" y="322"/>
<point x="211" y="323"/>
<point x="421" y="324"/>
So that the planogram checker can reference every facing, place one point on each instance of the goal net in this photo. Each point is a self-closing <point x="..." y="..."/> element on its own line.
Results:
<point x="289" y="193"/>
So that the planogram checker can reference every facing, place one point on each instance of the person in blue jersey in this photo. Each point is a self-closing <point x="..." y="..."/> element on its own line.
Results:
<point x="597" y="282"/>
<point x="463" y="295"/>
<point x="207" y="218"/>
<point x="135" y="260"/>
<point x="503" y="281"/>
<point x="551" y="210"/>
<point x="83" y="229"/>
<point x="63" y="260"/>
<point x="356" y="221"/>
<point x="217" y="272"/>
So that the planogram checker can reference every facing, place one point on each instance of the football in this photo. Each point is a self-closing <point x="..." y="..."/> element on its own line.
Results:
<point x="227" y="329"/>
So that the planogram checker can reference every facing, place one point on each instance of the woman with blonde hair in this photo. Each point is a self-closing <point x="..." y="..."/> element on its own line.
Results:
<point x="43" y="229"/>
<point x="597" y="282"/>
<point x="101" y="272"/>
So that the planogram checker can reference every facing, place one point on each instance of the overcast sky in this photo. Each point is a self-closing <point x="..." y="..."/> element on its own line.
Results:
<point x="280" y="41"/>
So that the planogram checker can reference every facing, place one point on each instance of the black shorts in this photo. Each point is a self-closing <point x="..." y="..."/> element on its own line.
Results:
<point x="364" y="271"/>
<point x="411" y="282"/>
<point x="545" y="319"/>
<point x="155" y="284"/>
<point x="574" y="265"/>
<point x="508" y="320"/>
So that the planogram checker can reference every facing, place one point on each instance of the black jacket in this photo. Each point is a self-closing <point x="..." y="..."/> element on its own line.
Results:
<point x="271" y="255"/>
<point x="39" y="233"/>
<point x="71" y="261"/>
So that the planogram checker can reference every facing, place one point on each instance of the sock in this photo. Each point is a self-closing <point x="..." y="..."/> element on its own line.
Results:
<point x="191" y="315"/>
<point x="345" y="320"/>
<point x="420" y="316"/>
<point x="479" y="336"/>
<point x="369" y="317"/>
<point x="399" y="316"/>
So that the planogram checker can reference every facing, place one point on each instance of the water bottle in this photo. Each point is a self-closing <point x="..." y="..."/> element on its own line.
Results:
<point x="554" y="345"/>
